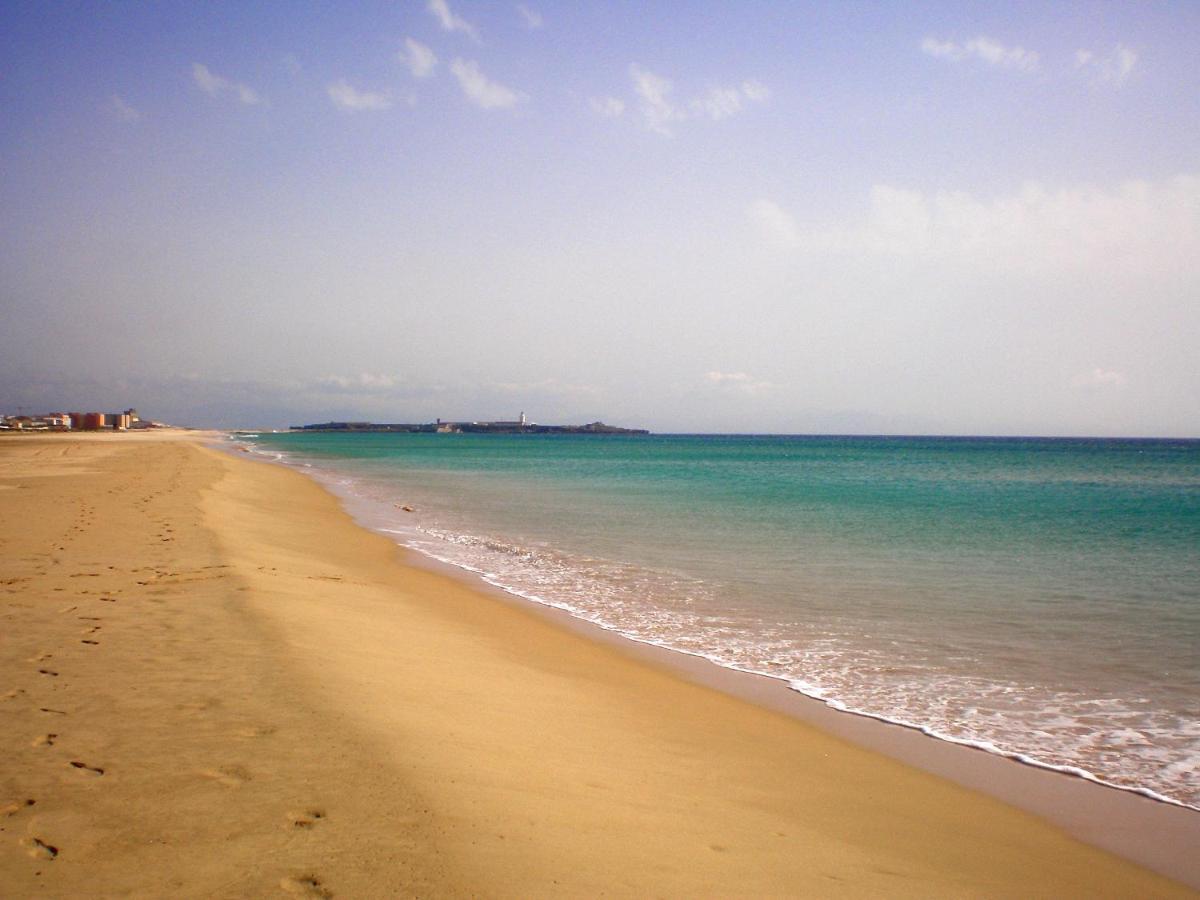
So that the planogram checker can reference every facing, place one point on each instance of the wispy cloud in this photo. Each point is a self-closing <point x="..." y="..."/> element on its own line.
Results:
<point x="216" y="85"/>
<point x="737" y="381"/>
<point x="1140" y="227"/>
<point x="777" y="224"/>
<point x="481" y="90"/>
<point x="547" y="387"/>
<point x="419" y="59"/>
<point x="654" y="99"/>
<point x="1113" y="68"/>
<point x="985" y="50"/>
<point x="450" y="21"/>
<point x="121" y="110"/>
<point x="531" y="17"/>
<point x="346" y="96"/>
<point x="660" y="112"/>
<point x="723" y="102"/>
<point x="755" y="91"/>
<point x="608" y="107"/>
<point x="1098" y="378"/>
<point x="363" y="382"/>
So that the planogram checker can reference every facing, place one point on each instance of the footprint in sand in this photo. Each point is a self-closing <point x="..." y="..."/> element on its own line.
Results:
<point x="202" y="705"/>
<point x="13" y="694"/>
<point x="93" y="643"/>
<point x="11" y="809"/>
<point x="45" y="740"/>
<point x="84" y="767"/>
<point x="306" y="819"/>
<point x="39" y="849"/>
<point x="305" y="885"/>
<point x="49" y="672"/>
<point x="230" y="776"/>
<point x="255" y="731"/>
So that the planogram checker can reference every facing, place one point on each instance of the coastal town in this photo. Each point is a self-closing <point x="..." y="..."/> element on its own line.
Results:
<point x="128" y="420"/>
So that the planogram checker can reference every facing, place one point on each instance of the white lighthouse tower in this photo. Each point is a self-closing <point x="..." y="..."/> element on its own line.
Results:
<point x="522" y="419"/>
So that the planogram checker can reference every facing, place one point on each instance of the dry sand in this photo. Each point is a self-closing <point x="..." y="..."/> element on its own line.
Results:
<point x="213" y="683"/>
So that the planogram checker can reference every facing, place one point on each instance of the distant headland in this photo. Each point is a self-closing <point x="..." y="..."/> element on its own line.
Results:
<point x="516" y="426"/>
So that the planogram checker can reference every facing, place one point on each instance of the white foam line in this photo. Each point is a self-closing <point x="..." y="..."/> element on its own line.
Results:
<point x="797" y="685"/>
<point x="801" y="687"/>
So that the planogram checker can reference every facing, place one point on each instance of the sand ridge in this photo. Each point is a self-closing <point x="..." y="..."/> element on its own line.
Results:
<point x="276" y="704"/>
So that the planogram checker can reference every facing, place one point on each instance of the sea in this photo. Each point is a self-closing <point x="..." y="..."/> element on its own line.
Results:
<point x="1038" y="598"/>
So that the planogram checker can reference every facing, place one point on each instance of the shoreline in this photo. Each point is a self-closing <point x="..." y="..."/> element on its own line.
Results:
<point x="1141" y="770"/>
<point x="1134" y="823"/>
<point x="311" y="712"/>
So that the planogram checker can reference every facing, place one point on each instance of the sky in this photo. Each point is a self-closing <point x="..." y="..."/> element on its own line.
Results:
<point x="934" y="218"/>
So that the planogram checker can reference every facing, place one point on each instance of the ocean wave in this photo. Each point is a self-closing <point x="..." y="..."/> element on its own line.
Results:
<point x="988" y="716"/>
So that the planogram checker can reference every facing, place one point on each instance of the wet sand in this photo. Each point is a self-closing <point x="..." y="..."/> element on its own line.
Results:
<point x="214" y="683"/>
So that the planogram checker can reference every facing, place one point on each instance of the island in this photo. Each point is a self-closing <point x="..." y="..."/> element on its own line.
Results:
<point x="516" y="426"/>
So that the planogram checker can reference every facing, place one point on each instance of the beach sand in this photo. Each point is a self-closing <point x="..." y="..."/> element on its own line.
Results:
<point x="214" y="683"/>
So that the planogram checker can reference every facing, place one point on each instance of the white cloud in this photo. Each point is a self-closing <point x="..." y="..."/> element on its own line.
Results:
<point x="719" y="103"/>
<point x="122" y="110"/>
<point x="1126" y="59"/>
<point x="1115" y="68"/>
<point x="654" y="96"/>
<point x="206" y="80"/>
<point x="1098" y="378"/>
<point x="755" y="91"/>
<point x="419" y="59"/>
<point x="452" y="22"/>
<point x="531" y="17"/>
<point x="548" y="387"/>
<point x="723" y="102"/>
<point x="660" y="112"/>
<point x="737" y="381"/>
<point x="480" y="89"/>
<point x="346" y="96"/>
<point x="776" y="223"/>
<point x="215" y="85"/>
<point x="982" y="48"/>
<point x="364" y="381"/>
<point x="1136" y="226"/>
<point x="608" y="107"/>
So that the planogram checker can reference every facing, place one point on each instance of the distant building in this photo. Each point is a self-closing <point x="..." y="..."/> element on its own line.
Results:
<point x="76" y="421"/>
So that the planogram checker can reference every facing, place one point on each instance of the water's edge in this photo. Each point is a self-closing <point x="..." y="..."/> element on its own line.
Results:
<point x="355" y="506"/>
<point x="1137" y="825"/>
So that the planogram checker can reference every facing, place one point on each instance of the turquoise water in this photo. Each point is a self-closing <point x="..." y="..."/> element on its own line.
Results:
<point x="1035" y="597"/>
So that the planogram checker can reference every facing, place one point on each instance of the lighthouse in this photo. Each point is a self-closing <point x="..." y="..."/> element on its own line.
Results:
<point x="522" y="419"/>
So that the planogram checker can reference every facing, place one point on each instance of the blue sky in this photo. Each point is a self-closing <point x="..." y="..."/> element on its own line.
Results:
<point x="948" y="218"/>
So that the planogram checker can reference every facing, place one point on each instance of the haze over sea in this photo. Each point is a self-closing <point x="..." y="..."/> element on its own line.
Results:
<point x="1036" y="597"/>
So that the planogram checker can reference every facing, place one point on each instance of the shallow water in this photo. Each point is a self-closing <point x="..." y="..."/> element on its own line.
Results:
<point x="1037" y="597"/>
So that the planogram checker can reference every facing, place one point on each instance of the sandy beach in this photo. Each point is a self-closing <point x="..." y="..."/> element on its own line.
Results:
<point x="214" y="683"/>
